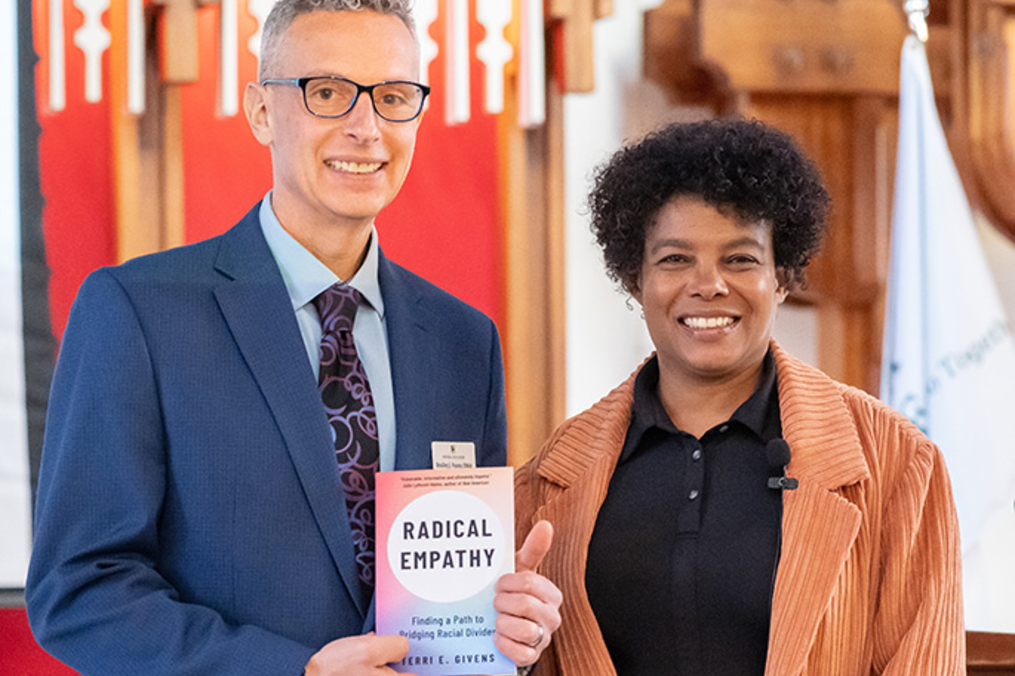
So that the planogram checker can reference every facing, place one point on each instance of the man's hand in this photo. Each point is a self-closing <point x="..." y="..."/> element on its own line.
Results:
<point x="528" y="604"/>
<point x="358" y="656"/>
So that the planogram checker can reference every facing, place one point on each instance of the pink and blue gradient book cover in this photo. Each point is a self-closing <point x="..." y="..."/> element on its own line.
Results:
<point x="444" y="536"/>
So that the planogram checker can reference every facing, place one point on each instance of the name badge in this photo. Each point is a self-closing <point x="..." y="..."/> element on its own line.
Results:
<point x="453" y="454"/>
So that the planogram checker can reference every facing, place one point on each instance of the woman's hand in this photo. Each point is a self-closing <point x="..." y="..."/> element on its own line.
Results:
<point x="528" y="604"/>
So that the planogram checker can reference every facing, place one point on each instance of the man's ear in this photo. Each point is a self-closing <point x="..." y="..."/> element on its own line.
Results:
<point x="255" y="105"/>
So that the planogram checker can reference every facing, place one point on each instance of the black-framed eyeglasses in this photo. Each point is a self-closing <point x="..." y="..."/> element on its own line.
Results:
<point x="328" y="96"/>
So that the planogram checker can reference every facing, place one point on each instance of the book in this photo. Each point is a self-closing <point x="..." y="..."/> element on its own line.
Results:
<point x="443" y="537"/>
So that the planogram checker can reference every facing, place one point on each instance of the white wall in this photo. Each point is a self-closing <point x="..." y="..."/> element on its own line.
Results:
<point x="605" y="340"/>
<point x="15" y="494"/>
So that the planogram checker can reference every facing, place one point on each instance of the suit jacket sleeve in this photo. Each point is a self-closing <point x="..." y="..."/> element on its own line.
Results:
<point x="95" y="597"/>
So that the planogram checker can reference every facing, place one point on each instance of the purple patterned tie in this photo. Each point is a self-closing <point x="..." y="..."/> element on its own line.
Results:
<point x="345" y="392"/>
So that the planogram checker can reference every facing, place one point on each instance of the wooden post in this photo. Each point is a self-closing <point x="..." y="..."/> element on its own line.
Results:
<point x="136" y="232"/>
<point x="531" y="197"/>
<point x="148" y="149"/>
<point x="178" y="51"/>
<point x="575" y="57"/>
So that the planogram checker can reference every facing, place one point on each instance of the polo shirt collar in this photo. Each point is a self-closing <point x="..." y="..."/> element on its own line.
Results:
<point x="759" y="413"/>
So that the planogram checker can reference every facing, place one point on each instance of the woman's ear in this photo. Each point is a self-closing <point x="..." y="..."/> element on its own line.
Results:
<point x="633" y="287"/>
<point x="782" y="279"/>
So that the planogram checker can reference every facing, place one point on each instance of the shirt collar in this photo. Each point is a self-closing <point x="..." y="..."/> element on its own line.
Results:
<point x="647" y="409"/>
<point x="759" y="413"/>
<point x="305" y="276"/>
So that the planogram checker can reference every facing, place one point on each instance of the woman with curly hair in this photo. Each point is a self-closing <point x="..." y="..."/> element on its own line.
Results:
<point x="730" y="510"/>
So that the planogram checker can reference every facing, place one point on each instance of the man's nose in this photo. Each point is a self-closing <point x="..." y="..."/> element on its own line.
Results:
<point x="362" y="121"/>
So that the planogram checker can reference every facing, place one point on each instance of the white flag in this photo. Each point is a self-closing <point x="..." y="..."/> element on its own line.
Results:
<point x="949" y="356"/>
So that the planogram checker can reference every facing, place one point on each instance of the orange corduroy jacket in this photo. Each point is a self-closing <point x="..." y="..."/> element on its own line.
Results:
<point x="869" y="576"/>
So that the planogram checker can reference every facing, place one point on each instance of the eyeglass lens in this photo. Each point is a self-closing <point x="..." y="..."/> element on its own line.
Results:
<point x="332" y="97"/>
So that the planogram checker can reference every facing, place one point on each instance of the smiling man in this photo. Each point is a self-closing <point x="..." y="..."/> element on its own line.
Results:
<point x="219" y="411"/>
<point x="686" y="550"/>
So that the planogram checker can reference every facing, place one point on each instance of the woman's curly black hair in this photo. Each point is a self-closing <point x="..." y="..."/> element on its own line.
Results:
<point x="739" y="166"/>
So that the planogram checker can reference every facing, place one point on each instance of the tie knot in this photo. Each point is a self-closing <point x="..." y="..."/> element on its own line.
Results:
<point x="336" y="306"/>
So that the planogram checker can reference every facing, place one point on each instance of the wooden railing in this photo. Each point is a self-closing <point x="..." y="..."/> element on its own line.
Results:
<point x="988" y="653"/>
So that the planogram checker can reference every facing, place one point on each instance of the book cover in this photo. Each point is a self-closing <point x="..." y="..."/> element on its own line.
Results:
<point x="444" y="536"/>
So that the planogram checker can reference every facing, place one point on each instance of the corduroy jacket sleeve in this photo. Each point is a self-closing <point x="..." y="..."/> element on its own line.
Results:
<point x="918" y="626"/>
<point x="529" y="496"/>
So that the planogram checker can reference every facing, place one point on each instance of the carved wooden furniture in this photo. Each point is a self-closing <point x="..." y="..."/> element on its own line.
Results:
<point x="983" y="54"/>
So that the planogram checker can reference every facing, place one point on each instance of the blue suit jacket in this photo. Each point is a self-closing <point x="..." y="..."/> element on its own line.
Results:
<point x="190" y="518"/>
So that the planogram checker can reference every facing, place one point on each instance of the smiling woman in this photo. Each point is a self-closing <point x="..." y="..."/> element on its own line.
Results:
<point x="685" y="550"/>
<point x="709" y="289"/>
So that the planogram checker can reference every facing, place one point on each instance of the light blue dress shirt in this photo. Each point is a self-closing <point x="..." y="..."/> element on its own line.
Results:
<point x="305" y="277"/>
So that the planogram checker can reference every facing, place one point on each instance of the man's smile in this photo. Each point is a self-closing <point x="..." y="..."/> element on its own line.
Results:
<point x="354" y="167"/>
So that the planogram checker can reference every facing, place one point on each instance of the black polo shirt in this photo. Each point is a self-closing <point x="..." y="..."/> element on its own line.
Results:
<point x="682" y="560"/>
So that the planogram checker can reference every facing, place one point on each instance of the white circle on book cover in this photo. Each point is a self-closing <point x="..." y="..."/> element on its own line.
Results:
<point x="446" y="546"/>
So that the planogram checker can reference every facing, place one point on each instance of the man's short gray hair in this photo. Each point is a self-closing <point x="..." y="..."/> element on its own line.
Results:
<point x="285" y="12"/>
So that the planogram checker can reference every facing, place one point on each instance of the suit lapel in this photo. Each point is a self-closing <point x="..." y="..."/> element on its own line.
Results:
<point x="819" y="526"/>
<point x="412" y="349"/>
<point x="257" y="309"/>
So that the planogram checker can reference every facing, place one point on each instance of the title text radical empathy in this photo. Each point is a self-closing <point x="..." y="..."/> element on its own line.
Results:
<point x="449" y="546"/>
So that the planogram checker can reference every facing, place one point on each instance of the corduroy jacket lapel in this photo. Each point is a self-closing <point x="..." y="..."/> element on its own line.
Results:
<point x="819" y="525"/>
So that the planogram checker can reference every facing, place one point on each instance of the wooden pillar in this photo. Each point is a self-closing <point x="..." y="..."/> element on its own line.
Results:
<point x="148" y="148"/>
<point x="531" y="180"/>
<point x="572" y="22"/>
<point x="852" y="140"/>
<point x="532" y="203"/>
<point x="135" y="233"/>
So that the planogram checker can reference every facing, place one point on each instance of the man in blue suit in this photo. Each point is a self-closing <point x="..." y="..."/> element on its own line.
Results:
<point x="190" y="518"/>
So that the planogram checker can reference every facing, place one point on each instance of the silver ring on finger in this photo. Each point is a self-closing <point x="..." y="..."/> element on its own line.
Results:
<point x="539" y="639"/>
